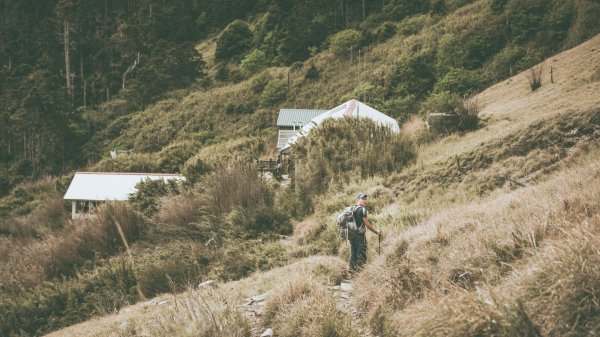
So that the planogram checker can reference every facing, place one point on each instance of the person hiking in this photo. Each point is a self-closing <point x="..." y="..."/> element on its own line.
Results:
<point x="358" y="240"/>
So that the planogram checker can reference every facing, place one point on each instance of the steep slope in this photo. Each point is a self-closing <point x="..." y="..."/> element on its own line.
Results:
<point x="450" y="255"/>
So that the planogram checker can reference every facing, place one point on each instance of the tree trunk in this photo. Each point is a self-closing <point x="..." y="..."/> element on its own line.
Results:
<point x="81" y="75"/>
<point x="67" y="62"/>
<point x="363" y="3"/>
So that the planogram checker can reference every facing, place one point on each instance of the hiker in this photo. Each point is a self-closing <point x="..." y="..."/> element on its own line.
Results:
<point x="358" y="240"/>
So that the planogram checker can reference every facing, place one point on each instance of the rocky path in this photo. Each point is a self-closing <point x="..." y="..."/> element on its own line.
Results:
<point x="343" y="296"/>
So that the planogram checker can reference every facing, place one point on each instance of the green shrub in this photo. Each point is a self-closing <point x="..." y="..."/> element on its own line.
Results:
<point x="235" y="40"/>
<point x="459" y="81"/>
<point x="312" y="73"/>
<point x="63" y="303"/>
<point x="322" y="160"/>
<point x="147" y="193"/>
<point x="412" y="25"/>
<point x="172" y="158"/>
<point x="385" y="31"/>
<point x="504" y="64"/>
<point x="412" y="75"/>
<point x="172" y="268"/>
<point x="253" y="62"/>
<point x="196" y="167"/>
<point x="341" y="43"/>
<point x="397" y="10"/>
<point x="271" y="220"/>
<point x="133" y="162"/>
<point x="274" y="92"/>
<point x="260" y="81"/>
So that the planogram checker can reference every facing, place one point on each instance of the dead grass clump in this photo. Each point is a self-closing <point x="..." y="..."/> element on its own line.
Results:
<point x="238" y="186"/>
<point x="466" y="315"/>
<point x="52" y="213"/>
<point x="201" y="313"/>
<point x="303" y="308"/>
<point x="185" y="210"/>
<point x="563" y="291"/>
<point x="114" y="217"/>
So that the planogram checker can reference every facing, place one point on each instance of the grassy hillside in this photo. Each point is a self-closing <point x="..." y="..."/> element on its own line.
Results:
<point x="470" y="218"/>
<point x="496" y="236"/>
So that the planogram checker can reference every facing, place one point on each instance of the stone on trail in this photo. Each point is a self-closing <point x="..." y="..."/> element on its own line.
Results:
<point x="267" y="333"/>
<point x="260" y="298"/>
<point x="209" y="283"/>
<point x="345" y="286"/>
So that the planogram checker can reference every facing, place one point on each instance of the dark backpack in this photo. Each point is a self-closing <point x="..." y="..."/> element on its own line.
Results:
<point x="347" y="223"/>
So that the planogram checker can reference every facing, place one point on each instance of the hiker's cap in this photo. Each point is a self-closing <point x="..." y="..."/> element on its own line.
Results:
<point x="361" y="195"/>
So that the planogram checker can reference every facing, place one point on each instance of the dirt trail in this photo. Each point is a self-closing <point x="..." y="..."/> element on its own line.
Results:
<point x="343" y="296"/>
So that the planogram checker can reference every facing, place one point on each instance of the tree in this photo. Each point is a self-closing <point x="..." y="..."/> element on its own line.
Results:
<point x="342" y="43"/>
<point x="235" y="40"/>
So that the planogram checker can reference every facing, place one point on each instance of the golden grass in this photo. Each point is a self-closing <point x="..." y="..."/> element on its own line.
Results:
<point x="432" y="271"/>
<point x="195" y="307"/>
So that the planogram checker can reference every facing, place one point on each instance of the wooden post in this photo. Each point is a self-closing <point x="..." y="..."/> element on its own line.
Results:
<point x="73" y="209"/>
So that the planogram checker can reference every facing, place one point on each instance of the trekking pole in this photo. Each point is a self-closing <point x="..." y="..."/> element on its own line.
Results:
<point x="379" y="248"/>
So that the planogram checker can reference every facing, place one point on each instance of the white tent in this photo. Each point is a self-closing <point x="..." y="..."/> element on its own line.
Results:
<point x="352" y="108"/>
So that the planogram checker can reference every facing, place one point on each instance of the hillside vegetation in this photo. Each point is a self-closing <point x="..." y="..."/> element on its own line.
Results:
<point x="465" y="253"/>
<point x="471" y="219"/>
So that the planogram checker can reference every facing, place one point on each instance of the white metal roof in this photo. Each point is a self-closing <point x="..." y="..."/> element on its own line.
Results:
<point x="352" y="108"/>
<point x="102" y="186"/>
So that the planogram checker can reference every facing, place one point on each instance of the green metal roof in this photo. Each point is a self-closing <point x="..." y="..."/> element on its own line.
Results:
<point x="297" y="117"/>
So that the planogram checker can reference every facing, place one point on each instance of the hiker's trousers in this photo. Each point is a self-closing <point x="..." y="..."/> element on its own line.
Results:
<point x="358" y="251"/>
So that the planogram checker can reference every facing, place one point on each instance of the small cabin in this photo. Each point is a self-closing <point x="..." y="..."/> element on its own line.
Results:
<point x="89" y="189"/>
<point x="290" y="121"/>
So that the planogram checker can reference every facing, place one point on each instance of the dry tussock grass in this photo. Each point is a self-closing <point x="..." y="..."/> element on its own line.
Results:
<point x="194" y="313"/>
<point x="201" y="313"/>
<point x="475" y="246"/>
<point x="185" y="210"/>
<point x="304" y="308"/>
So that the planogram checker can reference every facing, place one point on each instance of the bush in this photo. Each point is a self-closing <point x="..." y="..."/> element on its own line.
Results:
<point x="535" y="78"/>
<point x="459" y="81"/>
<point x="341" y="42"/>
<point x="133" y="162"/>
<point x="235" y="40"/>
<point x="147" y="193"/>
<point x="186" y="211"/>
<point x="274" y="92"/>
<point x="412" y="75"/>
<point x="312" y="73"/>
<point x="322" y="161"/>
<point x="60" y="304"/>
<point x="195" y="168"/>
<point x="253" y="63"/>
<point x="451" y="103"/>
<point x="385" y="31"/>
<point x="172" y="268"/>
<point x="260" y="81"/>
<point x="504" y="64"/>
<point x="238" y="185"/>
<point x="271" y="220"/>
<point x="172" y="158"/>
